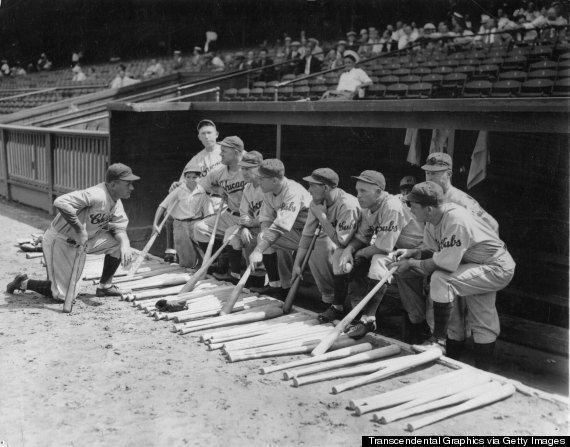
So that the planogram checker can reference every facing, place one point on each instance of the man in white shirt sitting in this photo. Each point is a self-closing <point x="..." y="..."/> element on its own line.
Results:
<point x="351" y="81"/>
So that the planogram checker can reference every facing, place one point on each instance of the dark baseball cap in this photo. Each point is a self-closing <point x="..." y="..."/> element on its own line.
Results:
<point x="323" y="176"/>
<point x="205" y="123"/>
<point x="408" y="180"/>
<point x="373" y="177"/>
<point x="426" y="194"/>
<point x="119" y="171"/>
<point x="438" y="161"/>
<point x="233" y="142"/>
<point x="251" y="159"/>
<point x="272" y="167"/>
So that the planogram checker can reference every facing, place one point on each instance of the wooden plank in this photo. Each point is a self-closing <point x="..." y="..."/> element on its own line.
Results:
<point x="536" y="335"/>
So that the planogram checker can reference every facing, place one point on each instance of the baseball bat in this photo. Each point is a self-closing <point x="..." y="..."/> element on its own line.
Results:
<point x="490" y="397"/>
<point x="375" y="354"/>
<point x="70" y="293"/>
<point x="148" y="246"/>
<point x="189" y="286"/>
<point x="458" y="389"/>
<point x="210" y="247"/>
<point x="228" y="307"/>
<point x="295" y="286"/>
<point x="334" y="355"/>
<point x="398" y="365"/>
<point x="339" y="328"/>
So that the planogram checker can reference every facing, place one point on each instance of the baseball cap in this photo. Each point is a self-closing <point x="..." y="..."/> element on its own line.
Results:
<point x="351" y="33"/>
<point x="119" y="171"/>
<point x="203" y="123"/>
<point x="295" y="44"/>
<point x="233" y="142"/>
<point x="429" y="26"/>
<point x="363" y="31"/>
<point x="438" y="161"/>
<point x="408" y="180"/>
<point x="341" y="42"/>
<point x="192" y="168"/>
<point x="323" y="176"/>
<point x="426" y="194"/>
<point x="373" y="177"/>
<point x="251" y="159"/>
<point x="272" y="167"/>
<point x="351" y="54"/>
<point x="288" y="38"/>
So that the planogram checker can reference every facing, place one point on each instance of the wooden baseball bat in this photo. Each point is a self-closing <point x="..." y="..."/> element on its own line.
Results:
<point x="327" y="341"/>
<point x="75" y="274"/>
<point x="148" y="272"/>
<point x="375" y="354"/>
<point x="159" y="281"/>
<point x="416" y="406"/>
<point x="487" y="398"/>
<point x="246" y="302"/>
<point x="228" y="307"/>
<point x="142" y="255"/>
<point x="189" y="286"/>
<point x="399" y="365"/>
<point x="404" y="394"/>
<point x="210" y="247"/>
<point x="295" y="286"/>
<point x="334" y="355"/>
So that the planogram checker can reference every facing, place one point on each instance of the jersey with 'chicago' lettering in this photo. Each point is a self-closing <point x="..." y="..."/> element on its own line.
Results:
<point x="286" y="209"/>
<point x="231" y="182"/>
<point x="93" y="207"/>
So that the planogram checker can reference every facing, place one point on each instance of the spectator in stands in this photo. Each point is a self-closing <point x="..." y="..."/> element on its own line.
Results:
<point x="76" y="57"/>
<point x="178" y="63"/>
<point x="352" y="42"/>
<point x="122" y="80"/>
<point x="214" y="62"/>
<point x="266" y="74"/>
<point x="525" y="31"/>
<point x="487" y="33"/>
<point x="398" y="32"/>
<point x="91" y="74"/>
<point x="43" y="64"/>
<point x="18" y="70"/>
<point x="468" y="22"/>
<point x="351" y="81"/>
<point x="249" y="62"/>
<point x="530" y="13"/>
<point x="309" y="64"/>
<point x="293" y="58"/>
<point x="5" y="68"/>
<point x="286" y="49"/>
<point x="463" y="37"/>
<point x="387" y="43"/>
<point x="330" y="61"/>
<point x="317" y="50"/>
<point x="340" y="48"/>
<point x="552" y="22"/>
<point x="196" y="60"/>
<point x="408" y="37"/>
<point x="230" y="62"/>
<point x="303" y="41"/>
<point x="154" y="70"/>
<point x="210" y="44"/>
<point x="374" y="41"/>
<point x="78" y="75"/>
<point x="363" y="40"/>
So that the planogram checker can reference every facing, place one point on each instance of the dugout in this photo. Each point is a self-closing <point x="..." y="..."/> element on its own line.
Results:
<point x="526" y="188"/>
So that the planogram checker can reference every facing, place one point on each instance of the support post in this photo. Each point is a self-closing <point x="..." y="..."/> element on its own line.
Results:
<point x="49" y="169"/>
<point x="278" y="142"/>
<point x="5" y="163"/>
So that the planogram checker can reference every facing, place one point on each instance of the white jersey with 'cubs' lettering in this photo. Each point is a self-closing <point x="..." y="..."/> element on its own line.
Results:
<point x="385" y="224"/>
<point x="455" y="195"/>
<point x="251" y="201"/>
<point x="205" y="160"/>
<point x="287" y="208"/>
<point x="93" y="207"/>
<point x="459" y="237"/>
<point x="231" y="182"/>
<point x="343" y="214"/>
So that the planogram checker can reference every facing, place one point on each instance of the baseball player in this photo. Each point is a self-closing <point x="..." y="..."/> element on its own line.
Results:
<point x="406" y="185"/>
<point x="468" y="264"/>
<point x="338" y="213"/>
<point x="383" y="226"/>
<point x="188" y="206"/>
<point x="282" y="217"/>
<point x="205" y="160"/>
<point x="438" y="169"/>
<point x="228" y="181"/>
<point x="95" y="218"/>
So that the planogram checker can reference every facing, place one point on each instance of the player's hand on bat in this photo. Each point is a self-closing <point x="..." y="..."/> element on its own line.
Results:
<point x="174" y="186"/>
<point x="127" y="255"/>
<point x="296" y="272"/>
<point x="82" y="237"/>
<point x="246" y="236"/>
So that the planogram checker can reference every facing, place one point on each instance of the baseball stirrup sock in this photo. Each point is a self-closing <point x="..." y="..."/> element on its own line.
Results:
<point x="483" y="352"/>
<point x="270" y="263"/>
<point x="372" y="305"/>
<point x="441" y="314"/>
<point x="340" y="289"/>
<point x="454" y="348"/>
<point x="41" y="287"/>
<point x="110" y="266"/>
<point x="235" y="261"/>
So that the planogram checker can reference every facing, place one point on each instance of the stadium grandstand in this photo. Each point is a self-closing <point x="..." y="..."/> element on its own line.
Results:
<point x="357" y="85"/>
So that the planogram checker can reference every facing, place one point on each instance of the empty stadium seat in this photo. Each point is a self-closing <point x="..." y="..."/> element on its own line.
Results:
<point x="301" y="92"/>
<point x="396" y="91"/>
<point x="452" y="84"/>
<point x="230" y="94"/>
<point x="401" y="72"/>
<point x="466" y="69"/>
<point x="506" y="88"/>
<point x="421" y="71"/>
<point x="516" y="62"/>
<point x="434" y="79"/>
<point x="410" y="79"/>
<point x="388" y="80"/>
<point x="488" y="72"/>
<point x="256" y="93"/>
<point x="420" y="90"/>
<point x="477" y="89"/>
<point x="561" y="87"/>
<point x="243" y="94"/>
<point x="284" y="93"/>
<point x="514" y="75"/>
<point x="542" y="74"/>
<point x="543" y="65"/>
<point x="563" y="74"/>
<point x="268" y="94"/>
<point x="376" y="91"/>
<point x="317" y="91"/>
<point x="536" y="87"/>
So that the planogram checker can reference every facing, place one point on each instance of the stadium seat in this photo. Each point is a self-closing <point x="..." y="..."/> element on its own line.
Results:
<point x="448" y="63"/>
<point x="421" y="71"/>
<point x="466" y="69"/>
<point x="230" y="94"/>
<point x="410" y="79"/>
<point x="452" y="84"/>
<point x="477" y="89"/>
<point x="268" y="94"/>
<point x="393" y="66"/>
<point x="434" y="79"/>
<point x="493" y="61"/>
<point x="470" y="61"/>
<point x="301" y="92"/>
<point x="542" y="74"/>
<point x="388" y="80"/>
<point x="541" y="52"/>
<point x="317" y="91"/>
<point x="429" y="64"/>
<point x="458" y="56"/>
<point x="514" y="75"/>
<point x="243" y="94"/>
<point x="376" y="91"/>
<point x="381" y="72"/>
<point x="561" y="87"/>
<point x="564" y="63"/>
<point x="563" y="74"/>
<point x="506" y="88"/>
<point x="401" y="72"/>
<point x="288" y="77"/>
<point x="396" y="91"/>
<point x="259" y="84"/>
<point x="486" y="72"/>
<point x="543" y="65"/>
<point x="256" y="93"/>
<point x="442" y="70"/>
<point x="537" y="87"/>
<point x="284" y="93"/>
<point x="420" y="90"/>
<point x="517" y="62"/>
<point x="316" y="81"/>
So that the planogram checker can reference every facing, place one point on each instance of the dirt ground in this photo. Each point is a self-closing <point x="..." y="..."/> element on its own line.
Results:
<point x="107" y="375"/>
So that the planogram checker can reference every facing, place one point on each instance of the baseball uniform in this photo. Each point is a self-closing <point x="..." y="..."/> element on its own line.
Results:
<point x="473" y="263"/>
<point x="102" y="217"/>
<point x="343" y="214"/>
<point x="205" y="160"/>
<point x="455" y="195"/>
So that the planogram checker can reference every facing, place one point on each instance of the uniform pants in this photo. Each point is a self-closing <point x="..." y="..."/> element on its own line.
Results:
<point x="203" y="228"/>
<point x="477" y="284"/>
<point x="324" y="264"/>
<point x="60" y="256"/>
<point x="284" y="247"/>
<point x="184" y="243"/>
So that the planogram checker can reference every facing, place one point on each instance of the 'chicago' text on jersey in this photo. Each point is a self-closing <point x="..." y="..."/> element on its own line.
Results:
<point x="232" y="187"/>
<point x="99" y="219"/>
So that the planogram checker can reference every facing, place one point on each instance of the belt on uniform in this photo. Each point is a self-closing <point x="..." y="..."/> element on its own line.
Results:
<point x="188" y="220"/>
<point x="233" y="213"/>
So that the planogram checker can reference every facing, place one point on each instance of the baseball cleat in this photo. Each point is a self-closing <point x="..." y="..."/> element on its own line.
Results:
<point x="110" y="291"/>
<point x="165" y="306"/>
<point x="360" y="329"/>
<point x="331" y="314"/>
<point x="226" y="277"/>
<point x="16" y="283"/>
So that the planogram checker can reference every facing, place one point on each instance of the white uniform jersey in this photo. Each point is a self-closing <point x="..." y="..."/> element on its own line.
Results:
<point x="191" y="204"/>
<point x="454" y="195"/>
<point x="251" y="201"/>
<point x="92" y="207"/>
<point x="205" y="160"/>
<point x="413" y="232"/>
<point x="231" y="182"/>
<point x="459" y="238"/>
<point x="286" y="209"/>
<point x="343" y="214"/>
